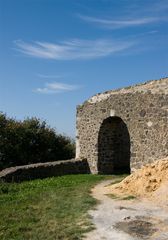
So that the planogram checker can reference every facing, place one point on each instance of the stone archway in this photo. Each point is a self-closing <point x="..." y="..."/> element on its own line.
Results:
<point x="113" y="147"/>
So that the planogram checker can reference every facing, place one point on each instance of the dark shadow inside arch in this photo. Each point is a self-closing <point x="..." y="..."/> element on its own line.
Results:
<point x="113" y="147"/>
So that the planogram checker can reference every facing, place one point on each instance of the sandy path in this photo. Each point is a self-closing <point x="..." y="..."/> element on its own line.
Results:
<point x="126" y="219"/>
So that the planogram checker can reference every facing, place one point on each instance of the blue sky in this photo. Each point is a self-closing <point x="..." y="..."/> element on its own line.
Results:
<point x="54" y="54"/>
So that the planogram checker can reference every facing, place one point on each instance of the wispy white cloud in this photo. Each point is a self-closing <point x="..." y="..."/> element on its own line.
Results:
<point x="73" y="49"/>
<point x="49" y="76"/>
<point x="116" y="24"/>
<point x="129" y="14"/>
<point x="56" y="87"/>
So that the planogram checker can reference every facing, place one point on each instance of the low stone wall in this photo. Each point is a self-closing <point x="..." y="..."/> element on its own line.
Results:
<point x="44" y="170"/>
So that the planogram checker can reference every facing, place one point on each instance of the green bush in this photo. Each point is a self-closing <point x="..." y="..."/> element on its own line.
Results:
<point x="31" y="141"/>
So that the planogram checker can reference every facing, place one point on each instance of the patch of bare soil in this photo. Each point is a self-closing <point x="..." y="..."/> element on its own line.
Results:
<point x="133" y="219"/>
<point x="137" y="228"/>
<point x="150" y="181"/>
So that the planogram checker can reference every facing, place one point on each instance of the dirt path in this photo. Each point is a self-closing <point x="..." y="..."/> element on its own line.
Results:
<point x="126" y="219"/>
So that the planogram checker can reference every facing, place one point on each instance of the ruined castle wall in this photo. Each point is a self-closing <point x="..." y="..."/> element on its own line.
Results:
<point x="44" y="170"/>
<point x="145" y="115"/>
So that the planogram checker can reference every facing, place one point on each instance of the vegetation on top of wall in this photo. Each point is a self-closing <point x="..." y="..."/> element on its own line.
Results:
<point x="31" y="141"/>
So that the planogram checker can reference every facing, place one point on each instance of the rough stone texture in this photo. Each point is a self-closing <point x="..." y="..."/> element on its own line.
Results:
<point x="43" y="170"/>
<point x="131" y="121"/>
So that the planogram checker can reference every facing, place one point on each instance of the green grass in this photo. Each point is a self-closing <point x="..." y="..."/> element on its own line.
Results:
<point x="50" y="209"/>
<point x="118" y="197"/>
<point x="113" y="196"/>
<point x="129" y="197"/>
<point x="116" y="180"/>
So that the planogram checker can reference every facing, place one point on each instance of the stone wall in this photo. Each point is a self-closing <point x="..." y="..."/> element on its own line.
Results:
<point x="144" y="111"/>
<point x="117" y="131"/>
<point x="44" y="170"/>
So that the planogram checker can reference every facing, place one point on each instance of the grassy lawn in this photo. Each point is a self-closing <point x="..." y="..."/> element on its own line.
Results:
<point x="53" y="208"/>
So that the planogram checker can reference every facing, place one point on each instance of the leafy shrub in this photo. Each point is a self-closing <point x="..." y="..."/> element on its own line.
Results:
<point x="31" y="141"/>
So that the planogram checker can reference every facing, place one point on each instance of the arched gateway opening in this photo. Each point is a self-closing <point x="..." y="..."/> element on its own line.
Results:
<point x="113" y="147"/>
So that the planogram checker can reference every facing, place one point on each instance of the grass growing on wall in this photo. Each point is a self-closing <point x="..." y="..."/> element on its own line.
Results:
<point x="52" y="209"/>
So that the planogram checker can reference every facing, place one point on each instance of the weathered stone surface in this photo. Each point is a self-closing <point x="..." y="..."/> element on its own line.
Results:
<point x="43" y="170"/>
<point x="142" y="109"/>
